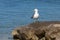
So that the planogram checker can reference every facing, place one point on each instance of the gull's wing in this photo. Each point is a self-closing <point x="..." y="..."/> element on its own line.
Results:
<point x="32" y="16"/>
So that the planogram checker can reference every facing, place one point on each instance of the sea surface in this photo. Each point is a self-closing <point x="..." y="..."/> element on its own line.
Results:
<point x="15" y="13"/>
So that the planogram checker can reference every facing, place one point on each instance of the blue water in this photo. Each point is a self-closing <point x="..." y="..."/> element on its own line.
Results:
<point x="14" y="13"/>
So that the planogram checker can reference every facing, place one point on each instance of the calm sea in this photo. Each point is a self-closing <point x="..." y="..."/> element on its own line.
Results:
<point x="14" y="13"/>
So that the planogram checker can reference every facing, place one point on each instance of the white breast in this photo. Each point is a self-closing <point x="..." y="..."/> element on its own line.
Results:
<point x="36" y="14"/>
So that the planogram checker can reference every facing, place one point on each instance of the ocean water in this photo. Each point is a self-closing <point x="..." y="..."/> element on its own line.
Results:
<point x="15" y="13"/>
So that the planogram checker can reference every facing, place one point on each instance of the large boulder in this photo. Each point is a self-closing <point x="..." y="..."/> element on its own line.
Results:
<point x="53" y="32"/>
<point x="24" y="33"/>
<point x="38" y="31"/>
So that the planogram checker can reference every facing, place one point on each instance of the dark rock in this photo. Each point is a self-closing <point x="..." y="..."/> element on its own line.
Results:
<point x="49" y="30"/>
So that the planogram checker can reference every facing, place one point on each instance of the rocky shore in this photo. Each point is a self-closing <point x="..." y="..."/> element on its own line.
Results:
<point x="47" y="30"/>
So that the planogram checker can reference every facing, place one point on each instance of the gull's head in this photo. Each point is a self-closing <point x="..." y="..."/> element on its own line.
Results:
<point x="36" y="10"/>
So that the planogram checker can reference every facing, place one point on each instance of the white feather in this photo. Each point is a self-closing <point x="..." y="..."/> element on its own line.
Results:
<point x="36" y="14"/>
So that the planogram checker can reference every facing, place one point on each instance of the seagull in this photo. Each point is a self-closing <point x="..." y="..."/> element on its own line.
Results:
<point x="36" y="14"/>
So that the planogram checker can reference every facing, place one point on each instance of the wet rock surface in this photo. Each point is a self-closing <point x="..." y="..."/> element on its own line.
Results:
<point x="49" y="30"/>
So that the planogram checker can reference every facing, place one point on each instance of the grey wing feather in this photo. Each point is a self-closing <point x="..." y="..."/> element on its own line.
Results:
<point x="32" y="16"/>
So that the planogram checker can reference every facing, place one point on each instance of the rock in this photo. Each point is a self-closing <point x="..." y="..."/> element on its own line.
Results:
<point x="38" y="31"/>
<point x="24" y="33"/>
<point x="53" y="32"/>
